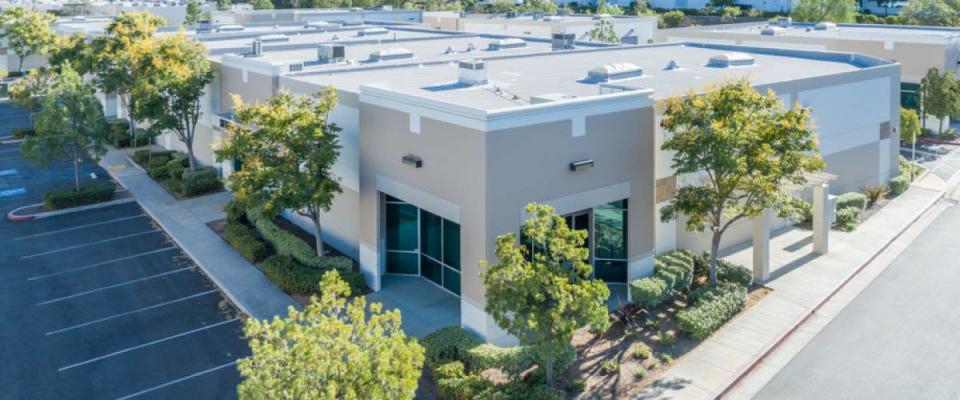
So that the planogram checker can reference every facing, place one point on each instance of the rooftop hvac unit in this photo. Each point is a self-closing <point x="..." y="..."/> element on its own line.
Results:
<point x="331" y="53"/>
<point x="390" y="54"/>
<point x="501" y="44"/>
<point x="727" y="60"/>
<point x="320" y="25"/>
<point x="472" y="72"/>
<point x="204" y="27"/>
<point x="273" y="38"/>
<point x="563" y="41"/>
<point x="295" y="67"/>
<point x="773" y="31"/>
<point x="372" y="32"/>
<point x="615" y="71"/>
<point x="257" y="48"/>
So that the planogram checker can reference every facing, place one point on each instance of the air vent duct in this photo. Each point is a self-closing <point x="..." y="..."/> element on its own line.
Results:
<point x="256" y="49"/>
<point x="563" y="41"/>
<point x="372" y="32"/>
<point x="331" y="53"/>
<point x="727" y="60"/>
<point x="614" y="71"/>
<point x="502" y="44"/>
<point x="273" y="38"/>
<point x="390" y="54"/>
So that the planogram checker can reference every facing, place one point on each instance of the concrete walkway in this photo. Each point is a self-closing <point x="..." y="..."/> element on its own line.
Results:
<point x="185" y="222"/>
<point x="423" y="306"/>
<point x="800" y="281"/>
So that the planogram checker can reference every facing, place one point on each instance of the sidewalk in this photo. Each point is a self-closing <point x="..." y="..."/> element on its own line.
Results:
<point x="800" y="280"/>
<point x="185" y="222"/>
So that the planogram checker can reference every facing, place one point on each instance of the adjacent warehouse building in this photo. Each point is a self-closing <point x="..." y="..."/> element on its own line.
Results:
<point x="446" y="136"/>
<point x="304" y="15"/>
<point x="916" y="48"/>
<point x="630" y="30"/>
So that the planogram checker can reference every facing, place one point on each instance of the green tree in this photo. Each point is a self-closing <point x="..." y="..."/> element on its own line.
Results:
<point x="73" y="49"/>
<point x="194" y="13"/>
<point x="745" y="146"/>
<point x="115" y="55"/>
<point x="70" y="124"/>
<point x="909" y="126"/>
<point x="612" y="9"/>
<point x="824" y="10"/>
<point x="261" y="4"/>
<point x="603" y="32"/>
<point x="288" y="148"/>
<point x="539" y="6"/>
<point x="941" y="95"/>
<point x="930" y="12"/>
<point x="336" y="348"/>
<point x="670" y="19"/>
<point x="174" y="71"/>
<point x="27" y="32"/>
<point x="223" y="5"/>
<point x="28" y="93"/>
<point x="543" y="292"/>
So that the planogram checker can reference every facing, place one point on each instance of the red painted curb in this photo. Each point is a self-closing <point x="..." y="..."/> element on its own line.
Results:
<point x="19" y="218"/>
<point x="778" y="342"/>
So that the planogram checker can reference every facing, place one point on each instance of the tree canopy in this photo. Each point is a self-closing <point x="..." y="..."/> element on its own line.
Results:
<point x="542" y="290"/>
<point x="336" y="348"/>
<point x="930" y="12"/>
<point x="824" y="10"/>
<point x="603" y="32"/>
<point x="941" y="95"/>
<point x="27" y="32"/>
<point x="288" y="148"/>
<point x="909" y="126"/>
<point x="743" y="147"/>
<point x="70" y="123"/>
<point x="28" y="93"/>
<point x="194" y="13"/>
<point x="173" y="72"/>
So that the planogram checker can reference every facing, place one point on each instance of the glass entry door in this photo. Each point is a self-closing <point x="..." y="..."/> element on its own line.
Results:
<point x="606" y="227"/>
<point x="419" y="242"/>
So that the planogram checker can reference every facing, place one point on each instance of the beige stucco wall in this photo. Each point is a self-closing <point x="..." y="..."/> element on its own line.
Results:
<point x="257" y="87"/>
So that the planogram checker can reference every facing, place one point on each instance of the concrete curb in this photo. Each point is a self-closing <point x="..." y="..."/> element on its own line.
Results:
<point x="10" y="141"/>
<point x="12" y="216"/>
<point x="809" y="313"/>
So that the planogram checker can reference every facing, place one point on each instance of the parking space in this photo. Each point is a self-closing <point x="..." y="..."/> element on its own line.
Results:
<point x="103" y="305"/>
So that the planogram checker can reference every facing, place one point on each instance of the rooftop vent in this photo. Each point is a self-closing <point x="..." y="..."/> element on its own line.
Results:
<point x="390" y="54"/>
<point x="230" y="28"/>
<point x="471" y="47"/>
<point x="274" y="37"/>
<point x="335" y="37"/>
<point x="449" y="50"/>
<point x="331" y="53"/>
<point x="773" y="31"/>
<point x="372" y="31"/>
<point x="352" y="22"/>
<point x="256" y="49"/>
<point x="296" y="67"/>
<point x="672" y="65"/>
<point x="319" y="25"/>
<point x="726" y="60"/>
<point x="501" y="44"/>
<point x="472" y="72"/>
<point x="614" y="71"/>
<point x="825" y="26"/>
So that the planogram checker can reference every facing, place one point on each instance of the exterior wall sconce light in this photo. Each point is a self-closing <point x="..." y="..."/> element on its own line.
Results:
<point x="412" y="161"/>
<point x="581" y="165"/>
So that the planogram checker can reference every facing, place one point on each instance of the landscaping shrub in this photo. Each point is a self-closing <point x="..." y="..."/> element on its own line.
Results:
<point x="641" y="351"/>
<point x="176" y="165"/>
<point x="712" y="308"/>
<point x="900" y="183"/>
<point x="454" y="383"/>
<point x="852" y="199"/>
<point x="288" y="244"/>
<point x="448" y="344"/>
<point x="292" y="277"/>
<point x="874" y="193"/>
<point x="118" y="132"/>
<point x="242" y="239"/>
<point x="157" y="166"/>
<point x="22" y="133"/>
<point x="649" y="292"/>
<point x="236" y="211"/>
<point x="66" y="198"/>
<point x="141" y="156"/>
<point x="203" y="180"/>
<point x="726" y="271"/>
<point x="848" y="218"/>
<point x="673" y="274"/>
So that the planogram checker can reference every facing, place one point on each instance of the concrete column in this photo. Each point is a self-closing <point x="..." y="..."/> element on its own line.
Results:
<point x="821" y="218"/>
<point x="761" y="245"/>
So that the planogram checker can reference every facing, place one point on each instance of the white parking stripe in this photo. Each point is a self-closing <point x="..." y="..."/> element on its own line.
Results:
<point x="148" y="344"/>
<point x="124" y="314"/>
<point x="78" y="227"/>
<point x="176" y="381"/>
<point x="138" y="280"/>
<point x="77" y="246"/>
<point x="94" y="265"/>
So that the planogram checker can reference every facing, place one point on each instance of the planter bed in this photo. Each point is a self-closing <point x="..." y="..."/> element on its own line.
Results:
<point x="169" y="168"/>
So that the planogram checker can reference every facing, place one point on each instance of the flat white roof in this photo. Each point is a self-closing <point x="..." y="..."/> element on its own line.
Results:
<point x="927" y="34"/>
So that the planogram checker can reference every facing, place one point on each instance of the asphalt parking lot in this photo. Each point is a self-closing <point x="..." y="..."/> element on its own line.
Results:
<point x="101" y="304"/>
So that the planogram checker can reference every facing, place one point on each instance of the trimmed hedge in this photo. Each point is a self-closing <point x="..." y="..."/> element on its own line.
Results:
<point x="673" y="274"/>
<point x="203" y="180"/>
<point x="242" y="239"/>
<point x="448" y="344"/>
<point x="157" y="166"/>
<point x="286" y="243"/>
<point x="899" y="183"/>
<point x="726" y="271"/>
<point x="22" y="133"/>
<point x="292" y="277"/>
<point x="848" y="218"/>
<point x="515" y="360"/>
<point x="453" y="383"/>
<point x="852" y="199"/>
<point x="712" y="307"/>
<point x="66" y="198"/>
<point x="236" y="212"/>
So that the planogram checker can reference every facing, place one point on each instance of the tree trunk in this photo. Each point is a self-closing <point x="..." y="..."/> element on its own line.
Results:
<point x="76" y="170"/>
<point x="549" y="371"/>
<point x="193" y="163"/>
<point x="714" y="250"/>
<point x="317" y="232"/>
<point x="940" y="128"/>
<point x="20" y="65"/>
